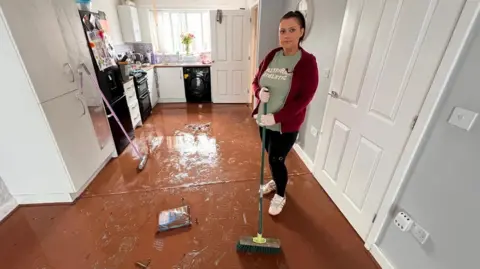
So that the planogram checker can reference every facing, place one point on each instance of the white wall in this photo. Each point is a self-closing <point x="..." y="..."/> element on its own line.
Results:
<point x="193" y="4"/>
<point x="442" y="192"/>
<point x="7" y="202"/>
<point x="269" y="14"/>
<point x="110" y="9"/>
<point x="322" y="42"/>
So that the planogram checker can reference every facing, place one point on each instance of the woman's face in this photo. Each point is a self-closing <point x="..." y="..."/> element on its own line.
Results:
<point x="290" y="32"/>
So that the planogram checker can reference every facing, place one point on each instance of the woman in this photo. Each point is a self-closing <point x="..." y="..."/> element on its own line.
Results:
<point x="286" y="80"/>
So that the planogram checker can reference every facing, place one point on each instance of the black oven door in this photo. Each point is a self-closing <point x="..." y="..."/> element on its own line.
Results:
<point x="142" y="87"/>
<point x="145" y="106"/>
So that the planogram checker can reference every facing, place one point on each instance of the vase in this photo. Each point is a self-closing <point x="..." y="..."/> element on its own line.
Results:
<point x="187" y="49"/>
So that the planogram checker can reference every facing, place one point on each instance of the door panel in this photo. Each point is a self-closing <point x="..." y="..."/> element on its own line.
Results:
<point x="69" y="119"/>
<point x="39" y="39"/>
<point x="171" y="85"/>
<point x="383" y="71"/>
<point x="229" y="72"/>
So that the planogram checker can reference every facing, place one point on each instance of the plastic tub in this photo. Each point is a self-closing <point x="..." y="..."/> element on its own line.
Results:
<point x="84" y="5"/>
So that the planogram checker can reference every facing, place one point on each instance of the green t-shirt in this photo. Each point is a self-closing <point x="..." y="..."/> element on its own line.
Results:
<point x="277" y="78"/>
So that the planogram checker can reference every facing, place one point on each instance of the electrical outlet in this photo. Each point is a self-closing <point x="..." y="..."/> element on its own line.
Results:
<point x="313" y="131"/>
<point x="463" y="118"/>
<point x="403" y="221"/>
<point x="419" y="233"/>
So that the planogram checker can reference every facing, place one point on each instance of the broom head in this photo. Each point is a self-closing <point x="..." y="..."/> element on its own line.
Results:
<point x="258" y="245"/>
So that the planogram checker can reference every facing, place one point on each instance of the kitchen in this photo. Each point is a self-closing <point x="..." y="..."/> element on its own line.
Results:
<point x="120" y="47"/>
<point x="168" y="53"/>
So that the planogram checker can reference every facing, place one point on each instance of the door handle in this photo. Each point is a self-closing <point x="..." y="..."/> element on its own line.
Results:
<point x="71" y="71"/>
<point x="79" y="97"/>
<point x="181" y="74"/>
<point x="333" y="94"/>
<point x="82" y="67"/>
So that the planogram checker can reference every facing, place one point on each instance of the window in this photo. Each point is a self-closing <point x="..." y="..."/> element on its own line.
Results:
<point x="171" y="24"/>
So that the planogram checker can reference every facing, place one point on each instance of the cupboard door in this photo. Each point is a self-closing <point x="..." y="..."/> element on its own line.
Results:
<point x="129" y="23"/>
<point x="70" y="122"/>
<point x="136" y="25"/>
<point x="170" y="84"/>
<point x="38" y="36"/>
<point x="72" y="31"/>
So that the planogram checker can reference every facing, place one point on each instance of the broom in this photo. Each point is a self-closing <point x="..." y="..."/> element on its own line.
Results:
<point x="259" y="244"/>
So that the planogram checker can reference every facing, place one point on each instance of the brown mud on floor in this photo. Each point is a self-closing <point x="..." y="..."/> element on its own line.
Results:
<point x="113" y="225"/>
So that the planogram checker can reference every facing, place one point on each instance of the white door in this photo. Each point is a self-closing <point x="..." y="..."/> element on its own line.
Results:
<point x="171" y="87"/>
<point x="388" y="55"/>
<point x="70" y="121"/>
<point x="229" y="72"/>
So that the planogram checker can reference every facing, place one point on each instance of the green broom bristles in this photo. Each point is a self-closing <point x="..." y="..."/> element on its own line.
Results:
<point x="271" y="246"/>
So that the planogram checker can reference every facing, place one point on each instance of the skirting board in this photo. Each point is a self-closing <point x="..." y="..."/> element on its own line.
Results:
<point x="7" y="208"/>
<point x="48" y="198"/>
<point x="172" y="100"/>
<point x="304" y="157"/>
<point x="380" y="258"/>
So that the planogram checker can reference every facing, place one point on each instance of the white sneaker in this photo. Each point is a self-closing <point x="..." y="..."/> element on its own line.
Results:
<point x="277" y="204"/>
<point x="269" y="187"/>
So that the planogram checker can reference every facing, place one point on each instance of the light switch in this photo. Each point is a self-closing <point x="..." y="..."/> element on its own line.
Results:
<point x="326" y="73"/>
<point x="463" y="118"/>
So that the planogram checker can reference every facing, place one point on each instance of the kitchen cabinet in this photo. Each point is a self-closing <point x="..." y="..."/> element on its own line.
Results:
<point x="152" y="87"/>
<point x="56" y="149"/>
<point x="147" y="25"/>
<point x="70" y="122"/>
<point x="38" y="37"/>
<point x="171" y="87"/>
<point x="132" y="102"/>
<point x="73" y="36"/>
<point x="129" y="23"/>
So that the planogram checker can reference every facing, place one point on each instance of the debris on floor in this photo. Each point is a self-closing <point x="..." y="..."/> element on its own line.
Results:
<point x="198" y="127"/>
<point x="143" y="265"/>
<point x="174" y="218"/>
<point x="190" y="260"/>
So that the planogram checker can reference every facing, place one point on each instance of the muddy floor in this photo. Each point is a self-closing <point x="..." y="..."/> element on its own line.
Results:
<point x="209" y="158"/>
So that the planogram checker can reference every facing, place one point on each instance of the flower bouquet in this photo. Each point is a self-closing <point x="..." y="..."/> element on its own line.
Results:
<point x="187" y="39"/>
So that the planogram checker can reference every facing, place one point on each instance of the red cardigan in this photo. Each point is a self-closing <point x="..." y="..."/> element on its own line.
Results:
<point x="303" y="88"/>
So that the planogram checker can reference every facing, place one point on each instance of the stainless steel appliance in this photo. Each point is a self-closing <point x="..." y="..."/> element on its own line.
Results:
<point x="125" y="70"/>
<point x="138" y="57"/>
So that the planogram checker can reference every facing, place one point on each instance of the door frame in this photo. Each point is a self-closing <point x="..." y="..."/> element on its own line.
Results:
<point x="448" y="65"/>
<point x="253" y="55"/>
<point x="460" y="37"/>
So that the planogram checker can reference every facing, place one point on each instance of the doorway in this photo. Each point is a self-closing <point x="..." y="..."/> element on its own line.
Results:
<point x="379" y="83"/>
<point x="253" y="49"/>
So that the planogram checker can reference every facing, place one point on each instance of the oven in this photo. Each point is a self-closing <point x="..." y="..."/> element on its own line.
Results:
<point x="143" y="95"/>
<point x="141" y="85"/>
<point x="145" y="106"/>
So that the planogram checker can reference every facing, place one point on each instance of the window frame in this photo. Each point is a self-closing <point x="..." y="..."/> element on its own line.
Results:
<point x="206" y="45"/>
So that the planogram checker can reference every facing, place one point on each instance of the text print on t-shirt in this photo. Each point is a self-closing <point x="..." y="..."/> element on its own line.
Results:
<point x="277" y="73"/>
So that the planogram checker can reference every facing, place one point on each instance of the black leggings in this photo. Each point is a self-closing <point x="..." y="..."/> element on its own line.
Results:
<point x="278" y="145"/>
